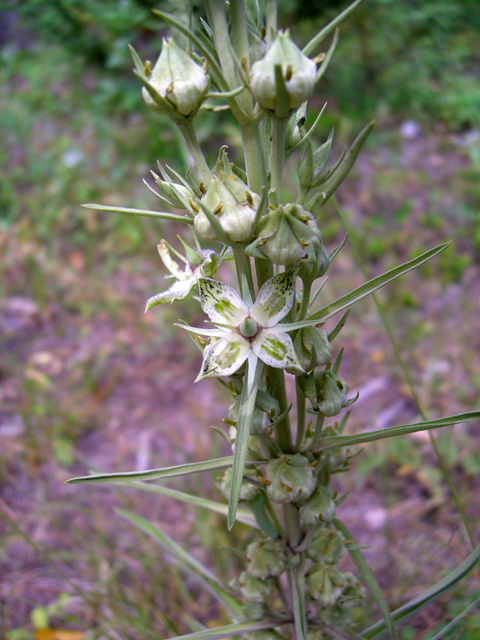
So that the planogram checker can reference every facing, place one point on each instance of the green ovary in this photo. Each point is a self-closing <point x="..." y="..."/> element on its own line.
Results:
<point x="274" y="348"/>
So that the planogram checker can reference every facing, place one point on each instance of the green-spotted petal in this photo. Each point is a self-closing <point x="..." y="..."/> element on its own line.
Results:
<point x="275" y="348"/>
<point x="274" y="300"/>
<point x="221" y="303"/>
<point x="225" y="356"/>
<point x="178" y="291"/>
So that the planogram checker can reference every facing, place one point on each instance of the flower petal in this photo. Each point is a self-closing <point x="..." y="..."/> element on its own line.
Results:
<point x="224" y="357"/>
<point x="275" y="348"/>
<point x="178" y="291"/>
<point x="221" y="303"/>
<point x="274" y="300"/>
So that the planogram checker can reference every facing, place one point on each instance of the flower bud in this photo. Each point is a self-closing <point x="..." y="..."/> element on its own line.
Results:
<point x="286" y="235"/>
<point x="315" y="263"/>
<point x="255" y="589"/>
<point x="353" y="593"/>
<point x="312" y="347"/>
<point x="177" y="195"/>
<point x="265" y="412"/>
<point x="327" y="392"/>
<point x="313" y="166"/>
<point x="266" y="559"/>
<point x="298" y="73"/>
<point x="248" y="491"/>
<point x="290" y="478"/>
<point x="232" y="203"/>
<point x="327" y="546"/>
<point x="320" y="507"/>
<point x="324" y="583"/>
<point x="336" y="460"/>
<point x="181" y="82"/>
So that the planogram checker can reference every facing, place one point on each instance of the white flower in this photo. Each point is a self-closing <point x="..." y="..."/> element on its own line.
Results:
<point x="242" y="330"/>
<point x="186" y="280"/>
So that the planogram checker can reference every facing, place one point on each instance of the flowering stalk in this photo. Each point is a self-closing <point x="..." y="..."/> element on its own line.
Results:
<point x="284" y="452"/>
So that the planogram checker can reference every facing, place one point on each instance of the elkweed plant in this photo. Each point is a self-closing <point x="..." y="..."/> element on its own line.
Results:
<point x="270" y="326"/>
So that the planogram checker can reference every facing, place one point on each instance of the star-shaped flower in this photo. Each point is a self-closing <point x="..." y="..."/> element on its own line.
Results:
<point x="242" y="330"/>
<point x="196" y="266"/>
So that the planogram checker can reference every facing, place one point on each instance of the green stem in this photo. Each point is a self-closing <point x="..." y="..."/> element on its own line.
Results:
<point x="254" y="152"/>
<point x="218" y="22"/>
<point x="292" y="524"/>
<point x="276" y="379"/>
<point x="307" y="287"/>
<point x="279" y="130"/>
<point x="189" y="135"/>
<point x="441" y="460"/>
<point x="318" y="432"/>
<point x="243" y="266"/>
<point x="300" y="415"/>
<point x="271" y="20"/>
<point x="273" y="515"/>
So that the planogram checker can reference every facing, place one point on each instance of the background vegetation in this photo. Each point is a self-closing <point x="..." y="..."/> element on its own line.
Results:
<point x="86" y="381"/>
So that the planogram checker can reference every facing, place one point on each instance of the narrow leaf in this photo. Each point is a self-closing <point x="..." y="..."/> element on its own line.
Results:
<point x="243" y="515"/>
<point x="451" y="625"/>
<point x="326" y="61"/>
<point x="370" y="581"/>
<point x="400" y="430"/>
<point x="310" y="47"/>
<point x="139" y="212"/>
<point x="412" y="607"/>
<point x="364" y="290"/>
<point x="189" y="561"/>
<point x="296" y="581"/>
<point x="262" y="520"/>
<point x="236" y="629"/>
<point x="158" y="474"/>
<point x="247" y="406"/>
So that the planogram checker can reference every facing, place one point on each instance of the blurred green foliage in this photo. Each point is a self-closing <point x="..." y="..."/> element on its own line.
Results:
<point x="410" y="58"/>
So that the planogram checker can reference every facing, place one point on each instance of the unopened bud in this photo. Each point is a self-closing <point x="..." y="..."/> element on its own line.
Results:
<point x="266" y="559"/>
<point x="312" y="347"/>
<point x="327" y="546"/>
<point x="320" y="507"/>
<point x="324" y="583"/>
<point x="291" y="478"/>
<point x="255" y="589"/>
<point x="286" y="235"/>
<point x="327" y="392"/>
<point x="298" y="73"/>
<point x="180" y="81"/>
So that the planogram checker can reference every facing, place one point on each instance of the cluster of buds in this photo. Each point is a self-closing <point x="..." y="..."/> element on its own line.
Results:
<point x="176" y="83"/>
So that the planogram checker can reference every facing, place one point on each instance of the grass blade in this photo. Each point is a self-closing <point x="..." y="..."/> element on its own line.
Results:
<point x="158" y="474"/>
<point x="412" y="607"/>
<point x="139" y="212"/>
<point x="400" y="430"/>
<point x="370" y="581"/>
<point x="456" y="620"/>
<point x="364" y="290"/>
<point x="189" y="561"/>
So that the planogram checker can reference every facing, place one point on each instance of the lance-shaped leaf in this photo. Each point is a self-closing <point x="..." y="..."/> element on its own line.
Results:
<point x="139" y="212"/>
<point x="310" y="47"/>
<point x="391" y="432"/>
<point x="247" y="406"/>
<point x="412" y="607"/>
<point x="296" y="581"/>
<point x="187" y="560"/>
<point x="158" y="474"/>
<point x="243" y="515"/>
<point x="364" y="290"/>
<point x="231" y="630"/>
